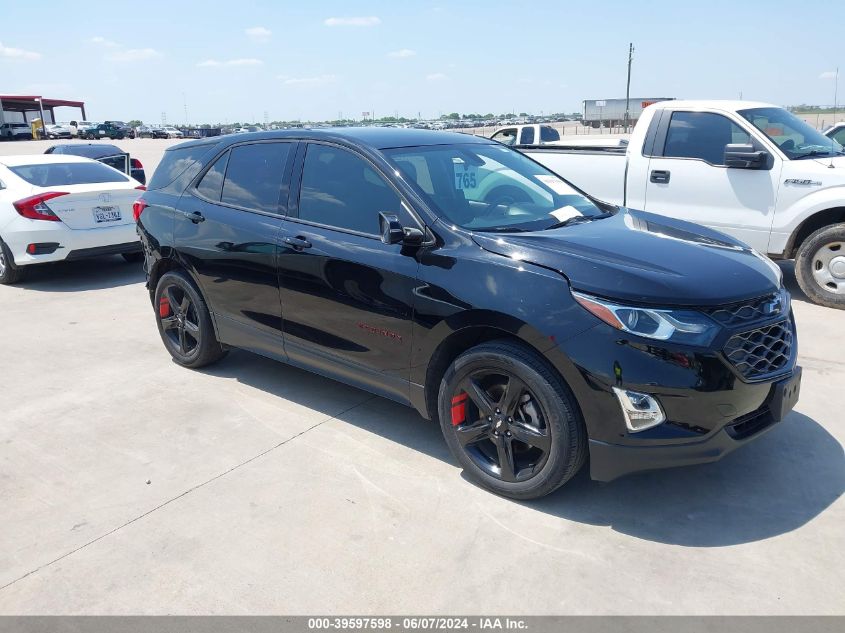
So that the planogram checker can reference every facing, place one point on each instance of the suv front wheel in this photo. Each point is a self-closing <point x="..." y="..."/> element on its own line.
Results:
<point x="511" y="421"/>
<point x="184" y="322"/>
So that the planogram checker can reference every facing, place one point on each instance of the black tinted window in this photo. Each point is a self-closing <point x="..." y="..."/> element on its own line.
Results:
<point x="212" y="182"/>
<point x="254" y="176"/>
<point x="548" y="134"/>
<point x="839" y="136"/>
<point x="175" y="163"/>
<point x="527" y="136"/>
<point x="57" y="174"/>
<point x="702" y="135"/>
<point x="342" y="190"/>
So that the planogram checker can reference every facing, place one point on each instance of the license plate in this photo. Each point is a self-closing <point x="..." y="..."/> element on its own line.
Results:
<point x="785" y="395"/>
<point x="107" y="214"/>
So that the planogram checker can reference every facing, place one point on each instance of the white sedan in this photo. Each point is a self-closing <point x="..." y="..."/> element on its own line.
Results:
<point x="57" y="207"/>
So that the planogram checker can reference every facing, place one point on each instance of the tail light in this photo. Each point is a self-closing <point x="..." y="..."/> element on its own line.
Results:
<point x="141" y="187"/>
<point x="136" y="164"/>
<point x="35" y="207"/>
<point x="138" y="208"/>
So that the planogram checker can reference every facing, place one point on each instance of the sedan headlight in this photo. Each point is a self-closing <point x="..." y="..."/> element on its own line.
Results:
<point x="679" y="326"/>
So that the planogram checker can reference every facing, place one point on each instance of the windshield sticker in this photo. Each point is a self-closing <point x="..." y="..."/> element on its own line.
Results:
<point x="564" y="213"/>
<point x="555" y="184"/>
<point x="466" y="176"/>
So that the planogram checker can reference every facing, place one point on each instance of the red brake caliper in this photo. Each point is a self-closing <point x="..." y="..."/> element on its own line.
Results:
<point x="459" y="409"/>
<point x="164" y="307"/>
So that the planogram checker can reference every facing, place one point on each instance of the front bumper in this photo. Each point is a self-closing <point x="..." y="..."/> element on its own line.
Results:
<point x="610" y="461"/>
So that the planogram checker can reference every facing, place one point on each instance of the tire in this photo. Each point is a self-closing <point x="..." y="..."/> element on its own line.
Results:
<point x="133" y="258"/>
<point x="9" y="273"/>
<point x="484" y="419"/>
<point x="820" y="266"/>
<point x="184" y="323"/>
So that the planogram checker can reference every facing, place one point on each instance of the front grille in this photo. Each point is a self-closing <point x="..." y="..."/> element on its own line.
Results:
<point x="757" y="309"/>
<point x="762" y="352"/>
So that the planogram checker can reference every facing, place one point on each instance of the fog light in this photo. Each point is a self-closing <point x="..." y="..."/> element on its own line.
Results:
<point x="641" y="410"/>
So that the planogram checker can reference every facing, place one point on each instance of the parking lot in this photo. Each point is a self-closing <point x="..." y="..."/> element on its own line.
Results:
<point x="131" y="485"/>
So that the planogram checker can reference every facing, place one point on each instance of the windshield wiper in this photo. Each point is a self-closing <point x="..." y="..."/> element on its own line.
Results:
<point x="821" y="152"/>
<point x="578" y="219"/>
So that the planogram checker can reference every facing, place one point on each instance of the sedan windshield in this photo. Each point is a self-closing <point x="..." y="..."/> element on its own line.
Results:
<point x="793" y="136"/>
<point x="488" y="187"/>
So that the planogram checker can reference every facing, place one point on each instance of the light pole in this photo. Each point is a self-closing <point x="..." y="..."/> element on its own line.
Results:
<point x="628" y="88"/>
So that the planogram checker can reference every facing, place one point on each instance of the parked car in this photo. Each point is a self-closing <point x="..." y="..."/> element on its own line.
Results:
<point x="533" y="134"/>
<point x="128" y="131"/>
<point x="146" y="131"/>
<point x="105" y="153"/>
<point x="169" y="131"/>
<point x="751" y="170"/>
<point x="105" y="130"/>
<point x="56" y="131"/>
<point x="836" y="132"/>
<point x="83" y="128"/>
<point x="55" y="208"/>
<point x="452" y="274"/>
<point x="15" y="131"/>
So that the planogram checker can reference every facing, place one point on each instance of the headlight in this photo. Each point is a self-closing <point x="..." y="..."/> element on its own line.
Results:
<point x="678" y="326"/>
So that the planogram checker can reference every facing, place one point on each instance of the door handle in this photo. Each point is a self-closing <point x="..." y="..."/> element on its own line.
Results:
<point x="297" y="243"/>
<point x="660" y="176"/>
<point x="194" y="216"/>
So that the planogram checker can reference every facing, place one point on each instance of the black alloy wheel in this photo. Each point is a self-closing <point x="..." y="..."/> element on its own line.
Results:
<point x="184" y="322"/>
<point x="511" y="421"/>
<point x="500" y="426"/>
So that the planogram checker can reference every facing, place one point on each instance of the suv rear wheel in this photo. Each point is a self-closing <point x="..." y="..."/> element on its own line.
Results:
<point x="184" y="322"/>
<point x="820" y="266"/>
<point x="511" y="421"/>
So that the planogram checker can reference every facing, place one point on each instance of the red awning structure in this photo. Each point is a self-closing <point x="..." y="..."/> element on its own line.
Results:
<point x="36" y="103"/>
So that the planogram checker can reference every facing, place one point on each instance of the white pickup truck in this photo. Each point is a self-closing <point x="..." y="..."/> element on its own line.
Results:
<point x="752" y="170"/>
<point x="530" y="134"/>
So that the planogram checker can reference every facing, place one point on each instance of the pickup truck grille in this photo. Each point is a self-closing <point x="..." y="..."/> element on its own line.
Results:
<point x="748" y="311"/>
<point x="763" y="352"/>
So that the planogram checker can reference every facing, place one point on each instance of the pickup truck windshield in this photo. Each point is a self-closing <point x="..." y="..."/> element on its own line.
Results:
<point x="793" y="136"/>
<point x="491" y="188"/>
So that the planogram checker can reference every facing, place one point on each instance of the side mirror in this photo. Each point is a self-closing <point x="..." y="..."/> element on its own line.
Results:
<point x="741" y="156"/>
<point x="392" y="231"/>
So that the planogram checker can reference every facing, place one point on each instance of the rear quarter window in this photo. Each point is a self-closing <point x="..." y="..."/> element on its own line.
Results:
<point x="58" y="174"/>
<point x="179" y="166"/>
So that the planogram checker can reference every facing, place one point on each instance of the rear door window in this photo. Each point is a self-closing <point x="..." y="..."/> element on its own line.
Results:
<point x="527" y="136"/>
<point x="254" y="176"/>
<point x="58" y="174"/>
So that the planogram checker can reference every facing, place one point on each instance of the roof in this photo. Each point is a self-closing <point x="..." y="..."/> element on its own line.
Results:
<point x="39" y="159"/>
<point x="378" y="138"/>
<point x="727" y="105"/>
<point x="11" y="100"/>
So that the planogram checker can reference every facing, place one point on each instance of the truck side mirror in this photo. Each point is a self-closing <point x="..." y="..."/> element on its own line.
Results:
<point x="742" y="156"/>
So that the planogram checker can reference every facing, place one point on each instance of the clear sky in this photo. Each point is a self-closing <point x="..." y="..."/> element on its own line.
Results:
<point x="314" y="60"/>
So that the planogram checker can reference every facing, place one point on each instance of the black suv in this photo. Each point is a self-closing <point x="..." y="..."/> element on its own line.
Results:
<point x="447" y="272"/>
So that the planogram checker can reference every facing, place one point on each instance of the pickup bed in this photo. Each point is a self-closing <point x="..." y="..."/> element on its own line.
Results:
<point x="751" y="170"/>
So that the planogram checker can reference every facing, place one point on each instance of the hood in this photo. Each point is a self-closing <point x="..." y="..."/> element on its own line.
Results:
<point x="644" y="258"/>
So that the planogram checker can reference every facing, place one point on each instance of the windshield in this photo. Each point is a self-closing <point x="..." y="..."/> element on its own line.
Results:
<point x="793" y="136"/>
<point x="488" y="187"/>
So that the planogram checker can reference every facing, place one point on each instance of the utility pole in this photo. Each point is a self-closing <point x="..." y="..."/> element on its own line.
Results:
<point x="628" y="88"/>
<point x="185" y="104"/>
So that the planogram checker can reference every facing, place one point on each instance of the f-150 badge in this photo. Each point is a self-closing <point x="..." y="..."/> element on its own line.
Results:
<point x="800" y="181"/>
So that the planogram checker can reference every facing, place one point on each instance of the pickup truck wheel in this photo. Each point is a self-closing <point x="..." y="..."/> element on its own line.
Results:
<point x="184" y="322"/>
<point x="9" y="274"/>
<point x="820" y="266"/>
<point x="511" y="421"/>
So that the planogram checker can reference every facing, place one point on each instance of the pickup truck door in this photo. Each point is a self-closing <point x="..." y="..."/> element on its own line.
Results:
<point x="687" y="177"/>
